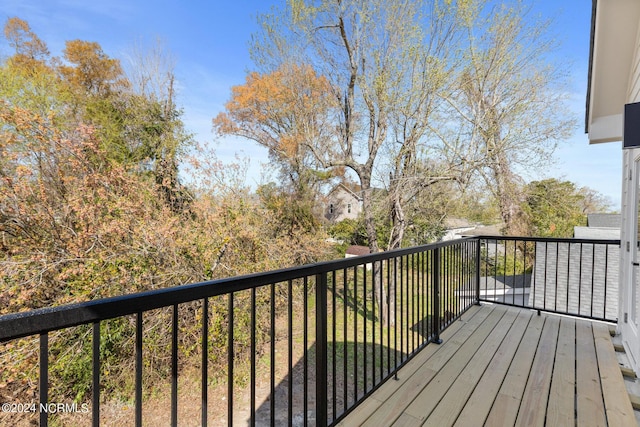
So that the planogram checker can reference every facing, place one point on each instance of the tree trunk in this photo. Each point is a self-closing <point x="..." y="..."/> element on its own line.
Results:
<point x="380" y="293"/>
<point x="398" y="223"/>
<point x="507" y="194"/>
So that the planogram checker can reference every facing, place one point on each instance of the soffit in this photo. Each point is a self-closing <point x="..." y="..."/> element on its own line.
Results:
<point x="613" y="49"/>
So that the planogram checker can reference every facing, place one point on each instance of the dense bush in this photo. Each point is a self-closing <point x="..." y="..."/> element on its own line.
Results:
<point x="91" y="206"/>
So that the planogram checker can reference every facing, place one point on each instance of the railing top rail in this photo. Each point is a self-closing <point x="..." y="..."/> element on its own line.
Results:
<point x="18" y="325"/>
<point x="551" y="239"/>
<point x="42" y="320"/>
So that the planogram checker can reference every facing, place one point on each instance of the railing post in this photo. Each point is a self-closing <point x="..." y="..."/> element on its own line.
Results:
<point x="174" y="366"/>
<point x="478" y="269"/>
<point x="43" y="388"/>
<point x="95" y="393"/>
<point x="138" y="383"/>
<point x="435" y="319"/>
<point x="321" y="350"/>
<point x="205" y="363"/>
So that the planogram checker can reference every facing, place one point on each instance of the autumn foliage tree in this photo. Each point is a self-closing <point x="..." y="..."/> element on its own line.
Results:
<point x="30" y="52"/>
<point x="286" y="111"/>
<point x="385" y="63"/>
<point x="89" y="188"/>
<point x="92" y="205"/>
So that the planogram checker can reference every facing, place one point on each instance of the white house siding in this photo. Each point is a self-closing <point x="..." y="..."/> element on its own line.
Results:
<point x="629" y="182"/>
<point x="615" y="81"/>
<point x="629" y="190"/>
<point x="570" y="277"/>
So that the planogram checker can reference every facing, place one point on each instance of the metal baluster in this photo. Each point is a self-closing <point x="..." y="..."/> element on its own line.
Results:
<point x="272" y="355"/>
<point x="230" y="358"/>
<point x="139" y="369"/>
<point x="321" y="350"/>
<point x="174" y="366"/>
<point x="44" y="378"/>
<point x="95" y="395"/>
<point x="205" y="362"/>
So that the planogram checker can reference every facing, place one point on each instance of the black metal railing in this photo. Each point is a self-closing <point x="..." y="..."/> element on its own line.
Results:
<point x="578" y="277"/>
<point x="298" y="346"/>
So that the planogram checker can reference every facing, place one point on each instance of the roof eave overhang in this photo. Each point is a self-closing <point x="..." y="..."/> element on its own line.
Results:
<point x="614" y="28"/>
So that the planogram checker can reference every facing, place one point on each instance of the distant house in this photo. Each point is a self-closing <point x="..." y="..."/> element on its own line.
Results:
<point x="356" y="250"/>
<point x="344" y="201"/>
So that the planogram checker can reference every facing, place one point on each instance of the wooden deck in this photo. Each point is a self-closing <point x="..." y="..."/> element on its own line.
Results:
<point x="501" y="366"/>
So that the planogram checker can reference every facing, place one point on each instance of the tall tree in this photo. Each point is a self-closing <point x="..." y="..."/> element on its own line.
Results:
<point x="286" y="111"/>
<point x="419" y="161"/>
<point x="511" y="100"/>
<point x="383" y="65"/>
<point x="160" y="130"/>
<point x="553" y="207"/>
<point x="31" y="53"/>
<point x="385" y="62"/>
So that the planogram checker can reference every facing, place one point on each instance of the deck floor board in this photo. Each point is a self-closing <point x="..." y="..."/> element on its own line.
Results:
<point x="500" y="365"/>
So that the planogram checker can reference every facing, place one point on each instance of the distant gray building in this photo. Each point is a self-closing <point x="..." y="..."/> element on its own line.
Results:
<point x="344" y="201"/>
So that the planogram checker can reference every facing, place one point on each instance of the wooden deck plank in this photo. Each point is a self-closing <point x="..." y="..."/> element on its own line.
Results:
<point x="397" y="403"/>
<point x="433" y="391"/>
<point x="457" y="333"/>
<point x="616" y="401"/>
<point x="505" y="407"/>
<point x="498" y="369"/>
<point x="400" y="393"/>
<point x="406" y="420"/>
<point x="561" y="407"/>
<point x="590" y="404"/>
<point x="464" y="326"/>
<point x="447" y="410"/>
<point x="479" y="403"/>
<point x="533" y="408"/>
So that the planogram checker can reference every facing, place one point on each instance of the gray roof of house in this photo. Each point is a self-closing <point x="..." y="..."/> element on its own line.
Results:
<point x="358" y="250"/>
<point x="604" y="220"/>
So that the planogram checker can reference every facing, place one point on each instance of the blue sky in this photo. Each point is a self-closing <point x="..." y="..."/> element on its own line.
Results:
<point x="209" y="41"/>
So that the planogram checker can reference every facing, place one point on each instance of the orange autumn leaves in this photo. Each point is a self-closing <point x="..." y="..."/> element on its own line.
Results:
<point x="91" y="201"/>
<point x="282" y="110"/>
